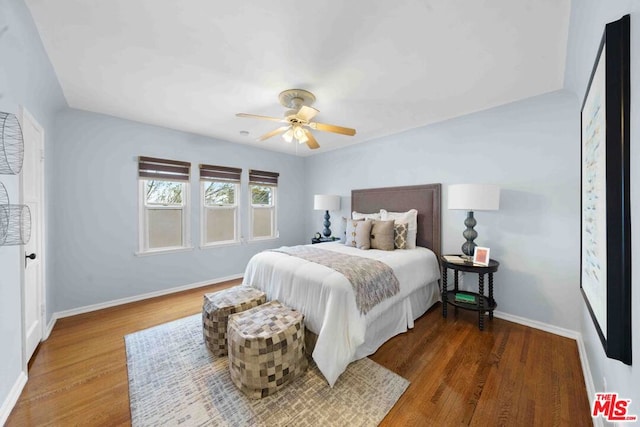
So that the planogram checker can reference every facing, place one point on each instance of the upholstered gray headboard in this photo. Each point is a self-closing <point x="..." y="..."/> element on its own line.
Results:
<point x="425" y="198"/>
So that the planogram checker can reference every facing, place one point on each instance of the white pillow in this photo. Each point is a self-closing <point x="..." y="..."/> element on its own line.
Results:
<point x="343" y="230"/>
<point x="358" y="215"/>
<point x="410" y="217"/>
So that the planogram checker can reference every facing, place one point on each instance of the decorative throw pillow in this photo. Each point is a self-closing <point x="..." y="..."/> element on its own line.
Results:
<point x="400" y="230"/>
<point x="410" y="217"/>
<point x="382" y="235"/>
<point x="358" y="215"/>
<point x="349" y="230"/>
<point x="358" y="232"/>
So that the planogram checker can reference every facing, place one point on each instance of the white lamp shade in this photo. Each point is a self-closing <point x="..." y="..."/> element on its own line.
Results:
<point x="325" y="202"/>
<point x="474" y="197"/>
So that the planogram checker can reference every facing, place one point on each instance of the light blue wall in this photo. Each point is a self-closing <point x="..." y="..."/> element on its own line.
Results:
<point x="588" y="18"/>
<point x="530" y="149"/>
<point x="96" y="212"/>
<point x="27" y="79"/>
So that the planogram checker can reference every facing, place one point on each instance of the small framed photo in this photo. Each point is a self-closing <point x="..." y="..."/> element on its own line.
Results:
<point x="481" y="256"/>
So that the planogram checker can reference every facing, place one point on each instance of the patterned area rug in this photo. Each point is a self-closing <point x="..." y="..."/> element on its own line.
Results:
<point x="174" y="379"/>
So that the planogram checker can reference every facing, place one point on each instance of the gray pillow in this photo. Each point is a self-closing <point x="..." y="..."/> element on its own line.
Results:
<point x="382" y="236"/>
<point x="358" y="232"/>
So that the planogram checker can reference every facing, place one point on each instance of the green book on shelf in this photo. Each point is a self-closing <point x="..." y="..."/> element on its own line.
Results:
<point x="470" y="299"/>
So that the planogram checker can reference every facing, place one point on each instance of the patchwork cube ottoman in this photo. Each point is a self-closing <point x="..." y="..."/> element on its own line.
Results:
<point x="216" y="309"/>
<point x="266" y="348"/>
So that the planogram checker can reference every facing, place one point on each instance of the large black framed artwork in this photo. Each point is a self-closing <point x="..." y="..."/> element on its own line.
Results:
<point x="605" y="276"/>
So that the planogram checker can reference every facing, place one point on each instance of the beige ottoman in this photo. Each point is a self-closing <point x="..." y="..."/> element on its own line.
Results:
<point x="216" y="309"/>
<point x="266" y="348"/>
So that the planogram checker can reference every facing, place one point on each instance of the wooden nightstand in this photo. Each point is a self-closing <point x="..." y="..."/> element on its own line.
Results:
<point x="482" y="304"/>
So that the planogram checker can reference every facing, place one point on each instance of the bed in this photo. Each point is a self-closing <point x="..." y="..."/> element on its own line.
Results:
<point x="341" y="333"/>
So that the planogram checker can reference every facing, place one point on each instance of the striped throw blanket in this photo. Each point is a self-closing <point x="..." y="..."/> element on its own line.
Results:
<point x="372" y="281"/>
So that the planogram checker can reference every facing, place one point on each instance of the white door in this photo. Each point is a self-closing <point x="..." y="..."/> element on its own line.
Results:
<point x="33" y="197"/>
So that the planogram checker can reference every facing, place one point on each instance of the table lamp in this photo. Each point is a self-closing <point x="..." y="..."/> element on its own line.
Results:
<point x="473" y="197"/>
<point x="324" y="202"/>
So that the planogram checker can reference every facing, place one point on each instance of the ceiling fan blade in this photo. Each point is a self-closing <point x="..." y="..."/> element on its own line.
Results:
<point x="268" y="135"/>
<point x="306" y="113"/>
<point x="311" y="141"/>
<point x="332" y="128"/>
<point x="253" y="116"/>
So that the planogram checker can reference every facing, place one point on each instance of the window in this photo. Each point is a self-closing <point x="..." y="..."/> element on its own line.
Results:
<point x="262" y="188"/>
<point x="164" y="191"/>
<point x="220" y="187"/>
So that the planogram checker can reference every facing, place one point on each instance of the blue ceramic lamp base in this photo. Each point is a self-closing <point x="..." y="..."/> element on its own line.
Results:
<point x="468" y="248"/>
<point x="327" y="224"/>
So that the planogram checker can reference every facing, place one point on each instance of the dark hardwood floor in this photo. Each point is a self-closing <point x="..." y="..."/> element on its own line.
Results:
<point x="508" y="375"/>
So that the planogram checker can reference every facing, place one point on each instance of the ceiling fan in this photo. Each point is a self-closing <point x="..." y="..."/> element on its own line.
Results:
<point x="298" y="119"/>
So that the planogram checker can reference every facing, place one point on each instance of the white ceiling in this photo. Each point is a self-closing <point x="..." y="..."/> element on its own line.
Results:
<point x="378" y="66"/>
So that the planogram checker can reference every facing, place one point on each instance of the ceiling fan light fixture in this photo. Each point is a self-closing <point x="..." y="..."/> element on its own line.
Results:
<point x="298" y="132"/>
<point x="288" y="135"/>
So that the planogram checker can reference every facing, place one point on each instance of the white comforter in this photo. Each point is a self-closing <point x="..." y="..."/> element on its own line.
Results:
<point x="326" y="297"/>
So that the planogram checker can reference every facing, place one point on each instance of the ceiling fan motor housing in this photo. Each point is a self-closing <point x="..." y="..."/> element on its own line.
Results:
<point x="296" y="98"/>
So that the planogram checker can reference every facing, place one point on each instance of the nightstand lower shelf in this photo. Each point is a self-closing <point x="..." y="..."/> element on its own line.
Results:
<point x="487" y="305"/>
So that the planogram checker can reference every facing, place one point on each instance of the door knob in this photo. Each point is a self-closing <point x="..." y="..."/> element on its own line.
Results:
<point x="26" y="257"/>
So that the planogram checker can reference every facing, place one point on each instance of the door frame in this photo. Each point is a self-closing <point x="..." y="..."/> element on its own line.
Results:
<point x="23" y="114"/>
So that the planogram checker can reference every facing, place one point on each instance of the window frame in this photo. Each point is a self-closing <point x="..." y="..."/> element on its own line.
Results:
<point x="144" y="218"/>
<point x="204" y="208"/>
<point x="147" y="174"/>
<point x="273" y="206"/>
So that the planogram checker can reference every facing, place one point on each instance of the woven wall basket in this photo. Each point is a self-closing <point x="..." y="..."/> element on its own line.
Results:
<point x="11" y="144"/>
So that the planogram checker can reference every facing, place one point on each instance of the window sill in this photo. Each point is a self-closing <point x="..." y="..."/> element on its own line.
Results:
<point x="164" y="251"/>
<point x="263" y="239"/>
<point x="220" y="245"/>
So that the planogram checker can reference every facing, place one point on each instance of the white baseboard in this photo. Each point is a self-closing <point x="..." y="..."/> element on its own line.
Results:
<point x="12" y="397"/>
<point x="113" y="303"/>
<point x="568" y="333"/>
<point x="50" y="325"/>
<point x="588" y="378"/>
